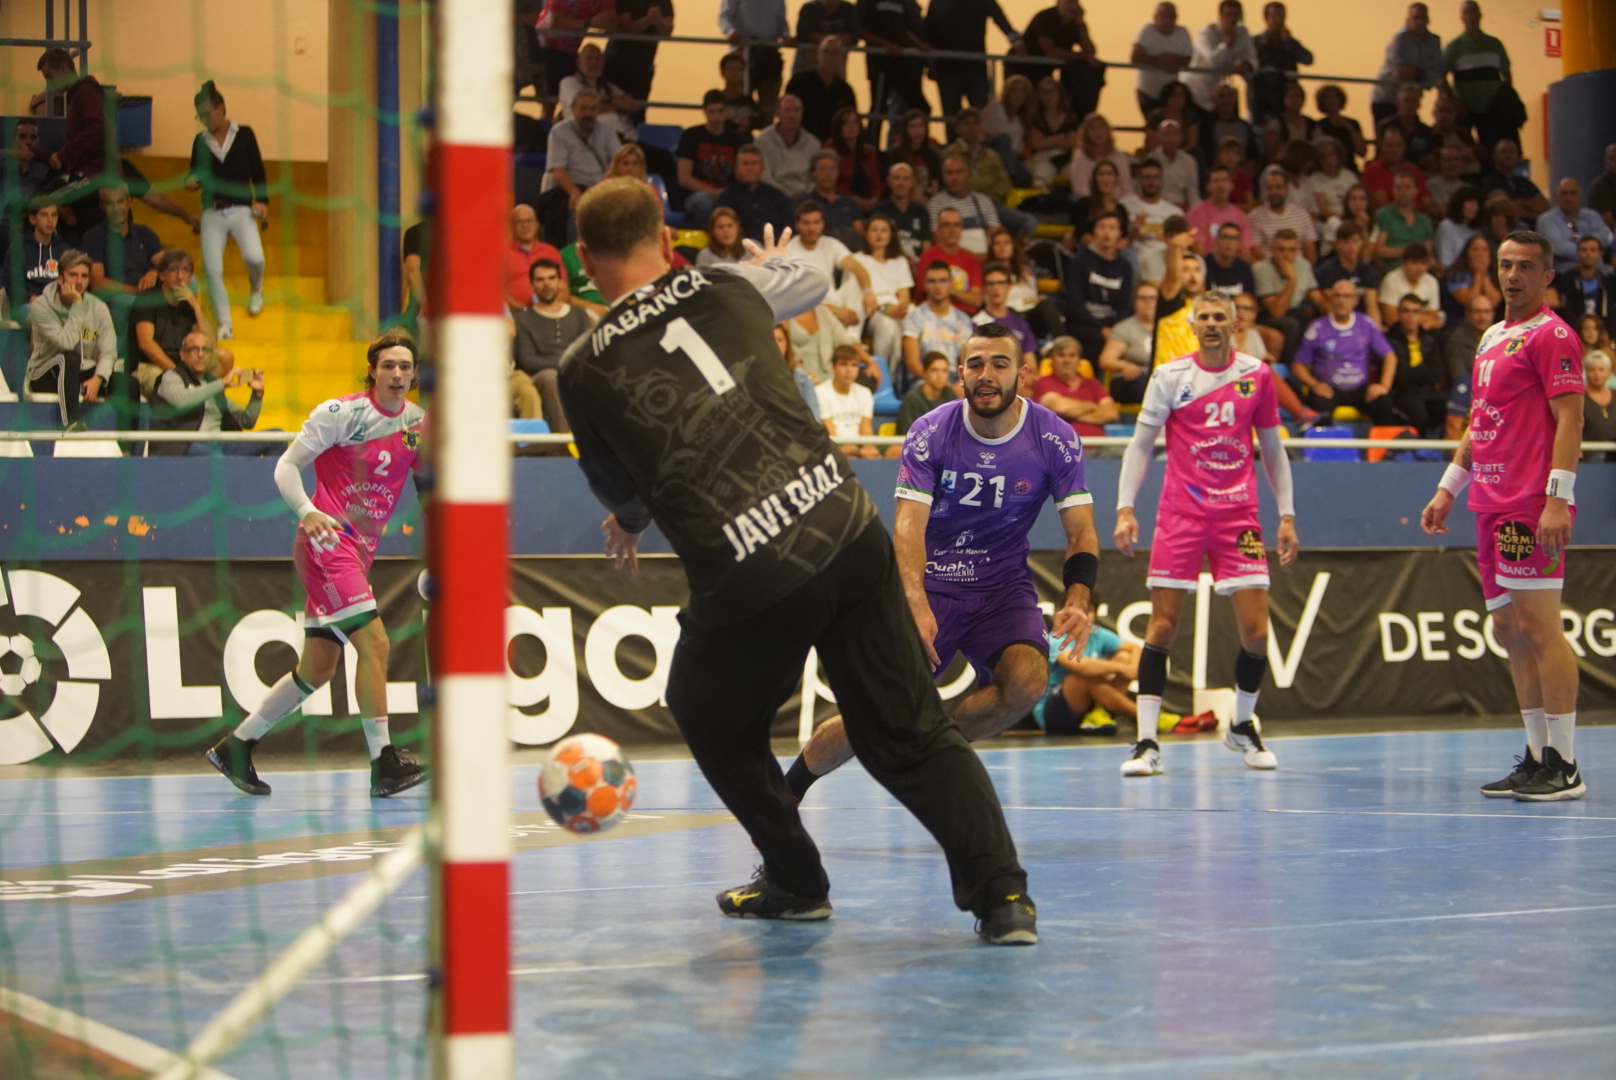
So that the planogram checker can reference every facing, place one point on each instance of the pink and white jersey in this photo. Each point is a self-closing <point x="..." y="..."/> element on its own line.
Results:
<point x="365" y="456"/>
<point x="1210" y="417"/>
<point x="1518" y="369"/>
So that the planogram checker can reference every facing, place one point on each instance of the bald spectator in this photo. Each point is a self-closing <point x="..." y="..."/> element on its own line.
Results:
<point x="1523" y="195"/>
<point x="1222" y="48"/>
<point x="1465" y="339"/>
<point x="1414" y="55"/>
<point x="1161" y="50"/>
<point x="1602" y="192"/>
<point x="909" y="216"/>
<point x="1181" y="172"/>
<point x="976" y="211"/>
<point x="965" y="269"/>
<point x="823" y="89"/>
<point x="524" y="249"/>
<point x="1479" y="66"/>
<point x="1279" y="55"/>
<point x="1345" y="360"/>
<point x="190" y="397"/>
<point x="788" y="149"/>
<point x="1277" y="212"/>
<point x="1567" y="223"/>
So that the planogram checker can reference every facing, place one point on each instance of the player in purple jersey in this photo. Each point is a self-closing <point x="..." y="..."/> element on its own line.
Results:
<point x="1209" y="402"/>
<point x="973" y="478"/>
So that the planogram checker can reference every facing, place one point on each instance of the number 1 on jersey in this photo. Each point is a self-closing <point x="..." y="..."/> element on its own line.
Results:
<point x="680" y="336"/>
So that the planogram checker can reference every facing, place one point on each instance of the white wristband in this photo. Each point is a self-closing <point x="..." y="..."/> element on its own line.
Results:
<point x="306" y="509"/>
<point x="1562" y="483"/>
<point x="1454" y="479"/>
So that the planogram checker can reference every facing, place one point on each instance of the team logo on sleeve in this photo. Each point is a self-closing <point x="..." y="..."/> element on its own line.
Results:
<point x="1516" y="344"/>
<point x="412" y="440"/>
<point x="1565" y="364"/>
<point x="1515" y="541"/>
<point x="920" y="446"/>
<point x="1250" y="544"/>
<point x="1245" y="387"/>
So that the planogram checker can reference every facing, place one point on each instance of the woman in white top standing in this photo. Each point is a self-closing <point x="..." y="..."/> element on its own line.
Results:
<point x="892" y="280"/>
<point x="228" y="169"/>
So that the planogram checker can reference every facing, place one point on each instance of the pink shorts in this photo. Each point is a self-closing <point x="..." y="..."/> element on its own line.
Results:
<point x="335" y="582"/>
<point x="1508" y="556"/>
<point x="1233" y="546"/>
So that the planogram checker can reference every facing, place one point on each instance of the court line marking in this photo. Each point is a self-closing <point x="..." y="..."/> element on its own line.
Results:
<point x="127" y="1048"/>
<point x="1393" y="919"/>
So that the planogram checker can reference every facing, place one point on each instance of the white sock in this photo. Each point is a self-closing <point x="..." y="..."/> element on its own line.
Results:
<point x="1537" y="732"/>
<point x="1562" y="730"/>
<point x="1149" y="713"/>
<point x="376" y="735"/>
<point x="281" y="701"/>
<point x="1244" y="705"/>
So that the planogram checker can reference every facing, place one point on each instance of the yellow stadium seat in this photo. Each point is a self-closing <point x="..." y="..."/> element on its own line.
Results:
<point x="1346" y="414"/>
<point x="691" y="238"/>
<point x="887" y="429"/>
<point x="1053" y="232"/>
<point x="1048" y="285"/>
<point x="1018" y="195"/>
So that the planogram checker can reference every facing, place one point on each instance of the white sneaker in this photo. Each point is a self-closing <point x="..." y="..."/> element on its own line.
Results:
<point x="255" y="302"/>
<point x="1247" y="740"/>
<point x="1146" y="759"/>
<point x="226" y="333"/>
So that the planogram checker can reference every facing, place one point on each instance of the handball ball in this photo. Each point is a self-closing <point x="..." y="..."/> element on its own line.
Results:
<point x="587" y="785"/>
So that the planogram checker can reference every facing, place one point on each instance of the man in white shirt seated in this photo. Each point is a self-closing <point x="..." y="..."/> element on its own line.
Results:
<point x="854" y="298"/>
<point x="848" y="408"/>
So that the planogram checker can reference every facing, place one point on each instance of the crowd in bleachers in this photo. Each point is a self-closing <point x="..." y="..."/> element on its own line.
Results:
<point x="1363" y="261"/>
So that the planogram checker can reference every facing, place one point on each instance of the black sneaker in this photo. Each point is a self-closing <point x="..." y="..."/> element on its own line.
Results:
<point x="1014" y="921"/>
<point x="233" y="757"/>
<point x="1555" y="779"/>
<point x="760" y="899"/>
<point x="392" y="773"/>
<point x="1526" y="767"/>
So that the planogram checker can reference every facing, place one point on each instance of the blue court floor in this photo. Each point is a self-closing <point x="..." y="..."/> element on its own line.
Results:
<point x="1362" y="912"/>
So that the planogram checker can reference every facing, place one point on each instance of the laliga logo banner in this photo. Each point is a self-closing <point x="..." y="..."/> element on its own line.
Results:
<point x="48" y="637"/>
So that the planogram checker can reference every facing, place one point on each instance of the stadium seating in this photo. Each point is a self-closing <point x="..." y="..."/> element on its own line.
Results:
<point x="1329" y="453"/>
<point x="886" y="400"/>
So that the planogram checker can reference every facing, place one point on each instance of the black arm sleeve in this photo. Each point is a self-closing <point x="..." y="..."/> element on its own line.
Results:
<point x="255" y="166"/>
<point x="607" y="478"/>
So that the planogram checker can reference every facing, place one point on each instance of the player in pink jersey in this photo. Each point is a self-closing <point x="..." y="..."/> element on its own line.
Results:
<point x="363" y="447"/>
<point x="1210" y="402"/>
<point x="1520" y="456"/>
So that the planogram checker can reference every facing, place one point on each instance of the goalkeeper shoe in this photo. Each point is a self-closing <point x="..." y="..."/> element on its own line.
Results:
<point x="761" y="899"/>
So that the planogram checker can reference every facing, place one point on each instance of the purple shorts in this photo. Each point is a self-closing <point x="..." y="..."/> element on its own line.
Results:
<point x="982" y="627"/>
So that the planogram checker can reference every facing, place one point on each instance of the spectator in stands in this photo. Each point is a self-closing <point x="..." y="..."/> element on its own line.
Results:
<point x="1380" y="174"/>
<point x="544" y="331"/>
<point x="788" y="149"/>
<point x="1419" y="139"/>
<point x="1096" y="142"/>
<point x="1464" y="339"/>
<point x="1288" y="124"/>
<point x="741" y="110"/>
<point x="890" y="27"/>
<point x="190" y="396"/>
<point x="961" y="26"/>
<point x="909" y="216"/>
<point x="931" y="391"/>
<point x="988" y="175"/>
<point x="1025" y="299"/>
<point x="1266" y="344"/>
<point x="1586" y="289"/>
<point x="1447" y="183"/>
<point x="74" y="342"/>
<point x="123" y="255"/>
<point x="799" y="375"/>
<point x="1073" y="396"/>
<point x="1285" y="280"/>
<point x="1598" y="424"/>
<point x="757" y="203"/>
<point x="1355" y="209"/>
<point x="1498" y="214"/>
<point x="1006" y="120"/>
<point x="860" y="163"/>
<point x="1479" y="66"/>
<point x="1278" y="56"/>
<point x="1567" y="223"/>
<point x="31" y="170"/>
<point x="1419" y="390"/>
<point x="560" y="51"/>
<point x="893" y="282"/>
<point x="1411" y="276"/>
<point x="229" y="171"/>
<point x="1099" y="283"/>
<point x="1279" y="212"/>
<point x="1226" y="271"/>
<point x="1222" y="123"/>
<point x="1414" y="55"/>
<point x="1104" y="197"/>
<point x="757" y="28"/>
<point x="1473" y="274"/>
<point x="707" y="156"/>
<point x="164" y="316"/>
<point x="524" y="249"/>
<point x="823" y="89"/>
<point x="819" y="19"/>
<point x="966" y="268"/>
<point x="1060" y="33"/>
<point x="1346" y="131"/>
<point x="1181" y="171"/>
<point x="725" y="241"/>
<point x="1222" y="49"/>
<point x="997" y="279"/>
<point x="913" y="146"/>
<point x="1401" y="223"/>
<point x="816" y="334"/>
<point x="1459" y="206"/>
<point x="1125" y="360"/>
<point x="1602" y="192"/>
<point x="1177" y="104"/>
<point x="1052" y="135"/>
<point x="843" y="216"/>
<point x="632" y="64"/>
<point x="616" y="108"/>
<point x="35" y="258"/>
<point x="1504" y="178"/>
<point x="935" y="324"/>
<point x="847" y="408"/>
<point x="578" y="154"/>
<point x="1346" y="263"/>
<point x="1161" y="50"/>
<point x="84" y="149"/>
<point x="1449" y="128"/>
<point x="1185" y="280"/>
<point x="856" y="297"/>
<point x="976" y="212"/>
<point x="1148" y="215"/>
<point x="1209" y="216"/>
<point x="1326" y="186"/>
<point x="1345" y="360"/>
